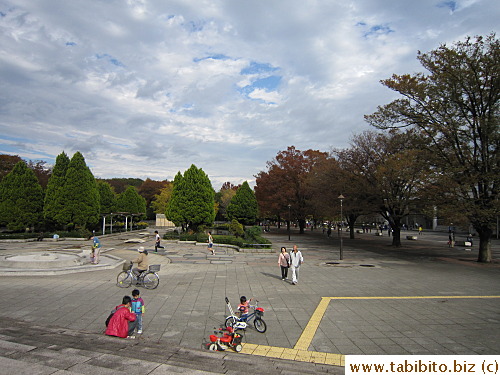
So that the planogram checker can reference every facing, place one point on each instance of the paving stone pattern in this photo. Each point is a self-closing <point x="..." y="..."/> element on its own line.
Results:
<point x="189" y="301"/>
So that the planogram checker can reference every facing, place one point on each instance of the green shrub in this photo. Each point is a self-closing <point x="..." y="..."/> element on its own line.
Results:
<point x="236" y="228"/>
<point x="252" y="233"/>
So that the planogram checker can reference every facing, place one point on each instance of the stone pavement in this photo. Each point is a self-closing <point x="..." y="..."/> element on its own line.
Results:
<point x="447" y="318"/>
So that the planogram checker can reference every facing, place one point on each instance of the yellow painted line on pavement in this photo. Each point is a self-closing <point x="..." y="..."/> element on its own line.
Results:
<point x="308" y="334"/>
<point x="300" y="351"/>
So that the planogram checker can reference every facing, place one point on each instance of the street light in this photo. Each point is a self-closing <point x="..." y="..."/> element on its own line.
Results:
<point x="341" y="197"/>
<point x="289" y="223"/>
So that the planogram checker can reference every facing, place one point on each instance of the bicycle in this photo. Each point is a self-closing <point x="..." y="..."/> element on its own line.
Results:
<point x="149" y="278"/>
<point x="241" y="322"/>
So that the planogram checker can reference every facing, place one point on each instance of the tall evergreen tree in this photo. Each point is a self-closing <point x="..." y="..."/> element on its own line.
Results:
<point x="192" y="202"/>
<point x="175" y="205"/>
<point x="54" y="197"/>
<point x="130" y="201"/>
<point x="81" y="196"/>
<point x="21" y="198"/>
<point x="107" y="197"/>
<point x="243" y="206"/>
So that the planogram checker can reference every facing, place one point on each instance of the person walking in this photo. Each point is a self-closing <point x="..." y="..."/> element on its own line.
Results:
<point x="157" y="242"/>
<point x="284" y="263"/>
<point x="211" y="243"/>
<point x="296" y="259"/>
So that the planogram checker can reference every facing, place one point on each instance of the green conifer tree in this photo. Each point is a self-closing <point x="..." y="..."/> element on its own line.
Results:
<point x="21" y="198"/>
<point x="130" y="201"/>
<point x="81" y="209"/>
<point x="174" y="207"/>
<point x="54" y="197"/>
<point x="107" y="197"/>
<point x="243" y="206"/>
<point x="193" y="200"/>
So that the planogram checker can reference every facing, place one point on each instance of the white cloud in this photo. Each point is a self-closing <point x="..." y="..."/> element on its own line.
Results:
<point x="146" y="88"/>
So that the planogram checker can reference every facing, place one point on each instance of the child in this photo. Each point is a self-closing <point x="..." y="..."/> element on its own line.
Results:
<point x="243" y="306"/>
<point x="138" y="309"/>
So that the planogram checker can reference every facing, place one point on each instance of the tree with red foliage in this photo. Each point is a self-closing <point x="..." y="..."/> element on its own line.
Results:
<point x="285" y="183"/>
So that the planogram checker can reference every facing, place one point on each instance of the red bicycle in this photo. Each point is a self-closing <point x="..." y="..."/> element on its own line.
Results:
<point x="227" y="339"/>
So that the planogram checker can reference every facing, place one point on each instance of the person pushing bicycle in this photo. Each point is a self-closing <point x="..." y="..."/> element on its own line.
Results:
<point x="142" y="261"/>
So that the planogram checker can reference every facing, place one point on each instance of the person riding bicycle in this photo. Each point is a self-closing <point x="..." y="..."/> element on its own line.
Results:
<point x="243" y="307"/>
<point x="142" y="262"/>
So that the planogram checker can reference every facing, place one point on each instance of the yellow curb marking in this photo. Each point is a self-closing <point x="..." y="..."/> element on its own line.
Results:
<point x="300" y="351"/>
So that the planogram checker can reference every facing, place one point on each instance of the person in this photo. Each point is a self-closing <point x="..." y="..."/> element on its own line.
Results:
<point x="96" y="250"/>
<point x="157" y="242"/>
<point x="296" y="260"/>
<point x="243" y="306"/>
<point x="142" y="261"/>
<point x="118" y="324"/>
<point x="137" y="308"/>
<point x="284" y="263"/>
<point x="420" y="230"/>
<point x="211" y="243"/>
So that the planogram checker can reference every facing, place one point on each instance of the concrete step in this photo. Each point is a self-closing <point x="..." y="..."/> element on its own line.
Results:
<point x="28" y="348"/>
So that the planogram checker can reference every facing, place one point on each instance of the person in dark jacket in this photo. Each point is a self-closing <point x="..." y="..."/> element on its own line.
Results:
<point x="118" y="324"/>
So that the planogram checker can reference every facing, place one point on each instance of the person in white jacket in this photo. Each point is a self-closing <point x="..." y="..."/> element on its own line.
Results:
<point x="296" y="260"/>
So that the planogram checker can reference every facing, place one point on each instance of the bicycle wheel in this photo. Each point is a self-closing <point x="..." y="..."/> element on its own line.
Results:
<point x="150" y="280"/>
<point x="212" y="347"/>
<point x="260" y="325"/>
<point x="230" y="320"/>
<point x="124" y="279"/>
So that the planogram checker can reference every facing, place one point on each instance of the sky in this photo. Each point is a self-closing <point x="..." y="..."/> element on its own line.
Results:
<point x="146" y="88"/>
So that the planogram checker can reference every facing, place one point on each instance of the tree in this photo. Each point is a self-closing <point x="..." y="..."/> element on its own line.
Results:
<point x="120" y="184"/>
<point x="456" y="108"/>
<point x="7" y="163"/>
<point x="243" y="206"/>
<point x="285" y="183"/>
<point x="223" y="198"/>
<point x="160" y="200"/>
<point x="390" y="168"/>
<point x="148" y="190"/>
<point x="81" y="197"/>
<point x="107" y="197"/>
<point x="130" y="201"/>
<point x="192" y="203"/>
<point x="21" y="198"/>
<point x="54" y="195"/>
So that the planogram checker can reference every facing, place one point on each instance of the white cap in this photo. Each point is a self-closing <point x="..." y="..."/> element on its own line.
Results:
<point x="141" y="249"/>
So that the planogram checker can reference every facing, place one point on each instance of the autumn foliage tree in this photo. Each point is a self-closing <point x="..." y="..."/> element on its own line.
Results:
<point x="285" y="183"/>
<point x="456" y="108"/>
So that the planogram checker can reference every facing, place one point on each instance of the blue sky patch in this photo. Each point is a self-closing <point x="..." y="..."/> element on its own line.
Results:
<point x="452" y="5"/>
<point x="111" y="59"/>
<point x="269" y="84"/>
<point x="217" y="56"/>
<point x="375" y="30"/>
<point x="70" y="43"/>
<point x="258" y="68"/>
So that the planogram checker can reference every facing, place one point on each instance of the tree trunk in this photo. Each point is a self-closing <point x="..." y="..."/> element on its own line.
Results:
<point x="302" y="225"/>
<point x="484" y="255"/>
<point x="396" y="236"/>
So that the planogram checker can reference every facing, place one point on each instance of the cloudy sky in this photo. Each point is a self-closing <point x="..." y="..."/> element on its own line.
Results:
<point x="146" y="88"/>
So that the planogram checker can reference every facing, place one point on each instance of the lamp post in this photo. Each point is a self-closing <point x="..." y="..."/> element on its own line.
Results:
<point x="289" y="223"/>
<point x="341" y="197"/>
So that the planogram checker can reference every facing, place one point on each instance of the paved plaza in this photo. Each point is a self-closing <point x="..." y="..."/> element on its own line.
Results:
<point x="423" y="298"/>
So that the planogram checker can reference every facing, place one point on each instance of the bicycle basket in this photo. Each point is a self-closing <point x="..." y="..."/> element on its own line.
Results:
<point x="154" y="267"/>
<point x="127" y="266"/>
<point x="237" y="339"/>
<point x="259" y="312"/>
